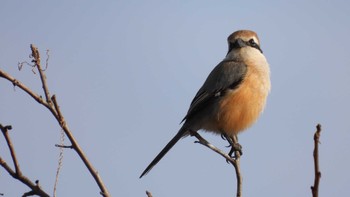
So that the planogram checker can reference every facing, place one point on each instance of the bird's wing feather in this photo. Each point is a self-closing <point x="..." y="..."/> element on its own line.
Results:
<point x="226" y="75"/>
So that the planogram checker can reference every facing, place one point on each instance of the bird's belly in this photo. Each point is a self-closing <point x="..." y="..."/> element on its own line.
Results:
<point x="240" y="108"/>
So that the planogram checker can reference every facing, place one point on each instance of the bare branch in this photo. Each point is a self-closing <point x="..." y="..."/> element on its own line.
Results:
<point x="17" y="174"/>
<point x="51" y="104"/>
<point x="57" y="112"/>
<point x="234" y="161"/>
<point x="237" y="166"/>
<point x="64" y="146"/>
<point x="17" y="83"/>
<point x="36" y="61"/>
<point x="212" y="147"/>
<point x="5" y="130"/>
<point x="314" y="188"/>
<point x="78" y="149"/>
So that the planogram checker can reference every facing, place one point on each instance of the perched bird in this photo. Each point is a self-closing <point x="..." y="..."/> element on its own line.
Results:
<point x="232" y="97"/>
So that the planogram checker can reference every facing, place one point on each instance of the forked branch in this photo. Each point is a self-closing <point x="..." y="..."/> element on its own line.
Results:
<point x="17" y="173"/>
<point x="51" y="104"/>
<point x="234" y="161"/>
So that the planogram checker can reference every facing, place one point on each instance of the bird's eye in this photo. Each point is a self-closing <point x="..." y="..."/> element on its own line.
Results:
<point x="252" y="42"/>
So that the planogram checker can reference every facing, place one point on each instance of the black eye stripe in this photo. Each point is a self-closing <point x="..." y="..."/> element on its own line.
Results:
<point x="251" y="42"/>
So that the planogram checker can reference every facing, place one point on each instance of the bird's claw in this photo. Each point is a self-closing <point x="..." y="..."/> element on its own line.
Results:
<point x="234" y="148"/>
<point x="223" y="136"/>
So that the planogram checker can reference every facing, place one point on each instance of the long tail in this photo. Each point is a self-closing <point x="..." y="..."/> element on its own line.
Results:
<point x="170" y="144"/>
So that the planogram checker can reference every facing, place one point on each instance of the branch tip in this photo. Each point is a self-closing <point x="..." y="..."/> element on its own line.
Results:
<point x="149" y="194"/>
<point x="64" y="146"/>
<point x="314" y="188"/>
<point x="5" y="128"/>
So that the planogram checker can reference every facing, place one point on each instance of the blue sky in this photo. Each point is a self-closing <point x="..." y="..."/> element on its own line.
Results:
<point x="125" y="72"/>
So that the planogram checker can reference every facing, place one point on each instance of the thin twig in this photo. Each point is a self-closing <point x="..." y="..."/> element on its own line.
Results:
<point x="212" y="147"/>
<point x="17" y="174"/>
<point x="238" y="168"/>
<point x="314" y="188"/>
<point x="36" y="60"/>
<point x="11" y="148"/>
<point x="19" y="84"/>
<point x="77" y="148"/>
<point x="21" y="64"/>
<point x="47" y="59"/>
<point x="60" y="163"/>
<point x="64" y="146"/>
<point x="234" y="161"/>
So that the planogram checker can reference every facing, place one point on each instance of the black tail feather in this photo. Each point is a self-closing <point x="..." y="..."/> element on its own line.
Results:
<point x="165" y="150"/>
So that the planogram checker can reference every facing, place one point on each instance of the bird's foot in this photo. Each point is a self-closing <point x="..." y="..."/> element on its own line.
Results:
<point x="227" y="138"/>
<point x="236" y="148"/>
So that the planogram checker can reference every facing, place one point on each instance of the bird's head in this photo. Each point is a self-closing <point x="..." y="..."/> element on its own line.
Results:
<point x="243" y="38"/>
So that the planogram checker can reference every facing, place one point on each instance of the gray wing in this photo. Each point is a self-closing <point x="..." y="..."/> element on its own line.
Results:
<point x="226" y="75"/>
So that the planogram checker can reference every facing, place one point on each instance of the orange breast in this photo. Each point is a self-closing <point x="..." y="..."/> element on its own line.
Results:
<point x="240" y="108"/>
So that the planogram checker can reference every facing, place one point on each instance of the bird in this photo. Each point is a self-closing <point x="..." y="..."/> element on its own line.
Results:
<point x="233" y="95"/>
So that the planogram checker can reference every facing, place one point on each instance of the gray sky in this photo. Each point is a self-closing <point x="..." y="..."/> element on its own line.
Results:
<point x="125" y="73"/>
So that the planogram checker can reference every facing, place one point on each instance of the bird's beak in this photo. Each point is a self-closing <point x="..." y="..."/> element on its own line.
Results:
<point x="239" y="43"/>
